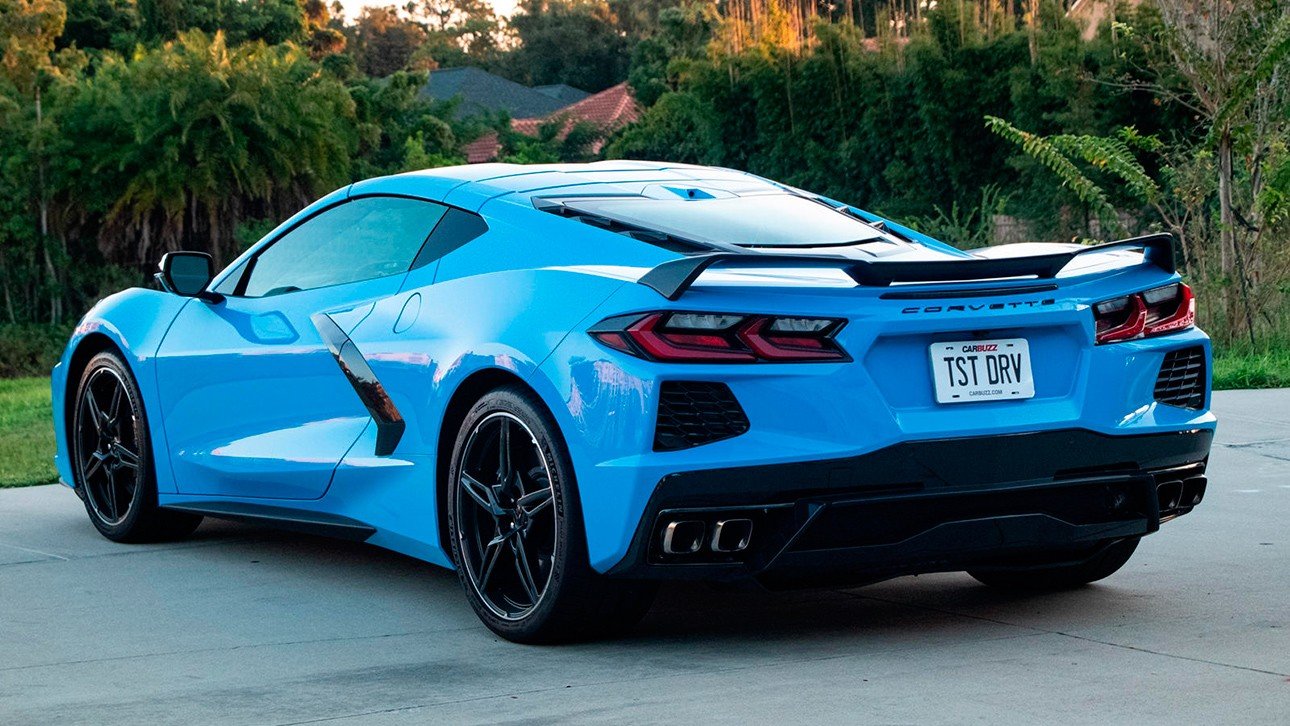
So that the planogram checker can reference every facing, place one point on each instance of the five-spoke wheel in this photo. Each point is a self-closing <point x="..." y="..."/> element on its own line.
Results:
<point x="107" y="437"/>
<point x="111" y="459"/>
<point x="517" y="533"/>
<point x="507" y="524"/>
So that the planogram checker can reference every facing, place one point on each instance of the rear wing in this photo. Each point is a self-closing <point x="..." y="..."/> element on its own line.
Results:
<point x="671" y="279"/>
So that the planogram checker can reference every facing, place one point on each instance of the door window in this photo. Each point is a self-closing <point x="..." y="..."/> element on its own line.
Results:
<point x="360" y="240"/>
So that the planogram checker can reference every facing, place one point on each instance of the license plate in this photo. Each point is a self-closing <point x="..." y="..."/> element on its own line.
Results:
<point x="982" y="370"/>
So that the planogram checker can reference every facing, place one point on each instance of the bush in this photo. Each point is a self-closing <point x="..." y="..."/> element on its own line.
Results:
<point x="30" y="349"/>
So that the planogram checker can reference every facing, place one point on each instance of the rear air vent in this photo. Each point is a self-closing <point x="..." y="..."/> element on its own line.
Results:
<point x="1182" y="378"/>
<point x="692" y="413"/>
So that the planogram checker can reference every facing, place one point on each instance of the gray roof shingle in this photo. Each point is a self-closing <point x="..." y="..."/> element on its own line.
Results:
<point x="480" y="91"/>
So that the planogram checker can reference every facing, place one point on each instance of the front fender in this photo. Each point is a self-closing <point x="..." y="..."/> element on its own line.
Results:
<point x="133" y="321"/>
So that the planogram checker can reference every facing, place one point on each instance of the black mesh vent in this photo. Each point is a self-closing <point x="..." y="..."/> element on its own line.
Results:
<point x="1182" y="378"/>
<point x="691" y="413"/>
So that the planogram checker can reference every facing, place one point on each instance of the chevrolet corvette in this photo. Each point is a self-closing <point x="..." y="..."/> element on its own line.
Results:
<point x="570" y="382"/>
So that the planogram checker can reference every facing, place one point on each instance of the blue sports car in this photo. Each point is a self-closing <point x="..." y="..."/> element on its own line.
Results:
<point x="569" y="382"/>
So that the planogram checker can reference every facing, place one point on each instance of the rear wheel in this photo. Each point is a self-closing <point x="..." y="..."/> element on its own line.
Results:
<point x="517" y="534"/>
<point x="1061" y="577"/>
<point x="112" y="458"/>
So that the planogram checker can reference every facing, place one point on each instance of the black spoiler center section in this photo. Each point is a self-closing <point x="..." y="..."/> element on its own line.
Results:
<point x="672" y="278"/>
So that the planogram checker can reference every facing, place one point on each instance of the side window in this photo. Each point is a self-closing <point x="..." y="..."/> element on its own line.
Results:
<point x="455" y="229"/>
<point x="359" y="240"/>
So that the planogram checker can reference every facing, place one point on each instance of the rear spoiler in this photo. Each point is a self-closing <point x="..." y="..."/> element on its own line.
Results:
<point x="672" y="278"/>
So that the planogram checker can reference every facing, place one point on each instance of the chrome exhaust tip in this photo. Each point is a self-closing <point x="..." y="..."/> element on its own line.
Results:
<point x="683" y="536"/>
<point x="731" y="535"/>
<point x="1193" y="490"/>
<point x="1170" y="494"/>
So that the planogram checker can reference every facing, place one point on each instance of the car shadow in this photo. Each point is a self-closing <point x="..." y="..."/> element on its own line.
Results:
<point x="904" y="610"/>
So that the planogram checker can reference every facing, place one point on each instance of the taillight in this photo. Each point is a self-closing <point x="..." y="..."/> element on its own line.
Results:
<point x="687" y="337"/>
<point x="1144" y="314"/>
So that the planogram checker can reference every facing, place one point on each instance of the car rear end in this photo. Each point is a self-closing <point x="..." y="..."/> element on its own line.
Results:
<point x="802" y="428"/>
<point x="810" y="395"/>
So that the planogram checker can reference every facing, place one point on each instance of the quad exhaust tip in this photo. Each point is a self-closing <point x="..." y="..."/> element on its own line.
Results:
<point x="689" y="536"/>
<point x="731" y="535"/>
<point x="1170" y="495"/>
<point x="683" y="537"/>
<point x="1181" y="494"/>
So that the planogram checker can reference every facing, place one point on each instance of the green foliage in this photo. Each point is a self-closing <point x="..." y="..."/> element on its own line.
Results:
<point x="26" y="433"/>
<point x="174" y="144"/>
<point x="249" y="231"/>
<point x="680" y="127"/>
<point x="268" y="21"/>
<point x="30" y="349"/>
<point x="102" y="25"/>
<point x="567" y="41"/>
<point x="966" y="227"/>
<point x="1053" y="155"/>
<point x="384" y="42"/>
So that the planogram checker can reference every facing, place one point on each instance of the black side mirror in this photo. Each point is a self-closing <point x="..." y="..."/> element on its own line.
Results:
<point x="188" y="274"/>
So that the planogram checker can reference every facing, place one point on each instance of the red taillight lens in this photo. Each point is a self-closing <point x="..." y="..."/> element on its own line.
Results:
<point x="721" y="338"/>
<point x="1154" y="312"/>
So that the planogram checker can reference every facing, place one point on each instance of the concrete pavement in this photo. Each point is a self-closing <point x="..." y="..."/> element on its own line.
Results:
<point x="246" y="625"/>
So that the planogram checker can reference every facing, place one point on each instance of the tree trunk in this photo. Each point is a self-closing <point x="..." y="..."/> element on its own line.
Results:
<point x="1227" y="226"/>
<point x="1032" y="30"/>
<point x="43" y="204"/>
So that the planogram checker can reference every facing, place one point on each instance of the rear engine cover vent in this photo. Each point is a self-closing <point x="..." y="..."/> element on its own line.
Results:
<point x="691" y="413"/>
<point x="1182" y="378"/>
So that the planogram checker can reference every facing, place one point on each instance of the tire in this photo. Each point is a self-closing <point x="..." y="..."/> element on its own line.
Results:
<point x="111" y="452"/>
<point x="1061" y="577"/>
<point x="517" y="533"/>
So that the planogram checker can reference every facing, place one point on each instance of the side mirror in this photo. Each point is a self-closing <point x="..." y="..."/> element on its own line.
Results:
<point x="188" y="274"/>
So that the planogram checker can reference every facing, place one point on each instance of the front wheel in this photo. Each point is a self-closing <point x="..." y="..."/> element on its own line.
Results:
<point x="516" y="530"/>
<point x="1061" y="577"/>
<point x="112" y="458"/>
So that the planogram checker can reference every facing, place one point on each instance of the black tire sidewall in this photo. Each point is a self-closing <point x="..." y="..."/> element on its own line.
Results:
<point x="145" y="495"/>
<point x="570" y="560"/>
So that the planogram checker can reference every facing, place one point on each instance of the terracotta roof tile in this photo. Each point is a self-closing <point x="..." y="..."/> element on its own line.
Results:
<point x="608" y="110"/>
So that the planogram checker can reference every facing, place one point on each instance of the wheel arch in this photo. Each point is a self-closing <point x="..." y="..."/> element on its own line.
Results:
<point x="86" y="348"/>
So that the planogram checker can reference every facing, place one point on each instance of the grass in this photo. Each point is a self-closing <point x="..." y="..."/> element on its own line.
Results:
<point x="1252" y="369"/>
<point x="26" y="433"/>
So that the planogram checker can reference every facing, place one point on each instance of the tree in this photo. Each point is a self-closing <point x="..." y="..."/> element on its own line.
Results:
<point x="458" y="33"/>
<point x="1233" y="55"/>
<point x="322" y="39"/>
<point x="28" y="33"/>
<point x="242" y="21"/>
<point x="568" y="41"/>
<point x="178" y="143"/>
<point x="101" y="24"/>
<point x="384" y="41"/>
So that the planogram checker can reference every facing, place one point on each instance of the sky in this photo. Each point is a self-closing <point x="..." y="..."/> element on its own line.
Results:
<point x="354" y="7"/>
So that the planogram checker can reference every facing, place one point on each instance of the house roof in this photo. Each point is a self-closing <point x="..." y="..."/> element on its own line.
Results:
<point x="481" y="92"/>
<point x="608" y="110"/>
<point x="563" y="92"/>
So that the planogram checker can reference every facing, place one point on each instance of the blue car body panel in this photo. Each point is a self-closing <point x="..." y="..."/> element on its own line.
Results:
<point x="246" y="404"/>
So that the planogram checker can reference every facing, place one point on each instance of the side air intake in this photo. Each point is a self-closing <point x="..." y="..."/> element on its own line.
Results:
<point x="1182" y="378"/>
<point x="693" y="413"/>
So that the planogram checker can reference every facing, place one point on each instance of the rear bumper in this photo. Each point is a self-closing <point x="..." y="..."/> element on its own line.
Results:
<point x="926" y="506"/>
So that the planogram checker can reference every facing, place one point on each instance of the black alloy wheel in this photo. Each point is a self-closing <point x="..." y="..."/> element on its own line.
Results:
<point x="507" y="521"/>
<point x="516" y="531"/>
<point x="111" y="458"/>
<point x="107" y="436"/>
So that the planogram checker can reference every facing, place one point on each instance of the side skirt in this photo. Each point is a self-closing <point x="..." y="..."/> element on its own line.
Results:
<point x="295" y="520"/>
